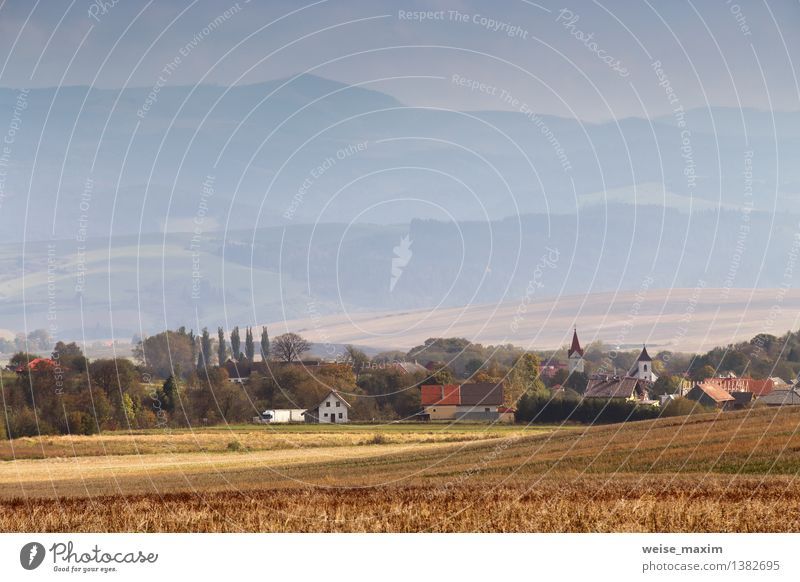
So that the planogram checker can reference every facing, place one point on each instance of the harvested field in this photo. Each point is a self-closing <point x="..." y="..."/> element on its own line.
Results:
<point x="735" y="471"/>
<point x="626" y="504"/>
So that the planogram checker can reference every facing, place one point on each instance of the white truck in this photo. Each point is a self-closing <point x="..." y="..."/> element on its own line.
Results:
<point x="280" y="415"/>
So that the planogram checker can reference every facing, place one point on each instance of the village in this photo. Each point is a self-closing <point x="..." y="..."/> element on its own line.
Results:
<point x="175" y="379"/>
<point x="486" y="401"/>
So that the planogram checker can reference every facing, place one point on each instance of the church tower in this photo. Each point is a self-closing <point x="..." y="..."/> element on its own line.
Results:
<point x="575" y="354"/>
<point x="644" y="367"/>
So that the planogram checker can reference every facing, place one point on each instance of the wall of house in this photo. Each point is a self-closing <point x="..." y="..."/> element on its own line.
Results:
<point x="441" y="412"/>
<point x="470" y="413"/>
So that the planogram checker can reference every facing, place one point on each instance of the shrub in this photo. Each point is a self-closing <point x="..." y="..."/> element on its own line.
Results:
<point x="22" y="423"/>
<point x="81" y="423"/>
<point x="376" y="439"/>
<point x="682" y="407"/>
<point x="538" y="408"/>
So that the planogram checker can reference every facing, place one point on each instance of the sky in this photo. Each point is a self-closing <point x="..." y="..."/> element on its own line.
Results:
<point x="589" y="60"/>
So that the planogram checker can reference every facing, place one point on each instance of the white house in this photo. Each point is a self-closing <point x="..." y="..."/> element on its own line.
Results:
<point x="333" y="409"/>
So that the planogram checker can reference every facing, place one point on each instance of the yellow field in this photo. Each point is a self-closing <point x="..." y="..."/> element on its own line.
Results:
<point x="728" y="472"/>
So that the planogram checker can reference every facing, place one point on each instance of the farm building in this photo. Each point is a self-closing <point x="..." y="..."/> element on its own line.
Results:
<point x="480" y="401"/>
<point x="712" y="396"/>
<point x="782" y="397"/>
<point x="280" y="415"/>
<point x="333" y="409"/>
<point x="619" y="387"/>
<point x="731" y="384"/>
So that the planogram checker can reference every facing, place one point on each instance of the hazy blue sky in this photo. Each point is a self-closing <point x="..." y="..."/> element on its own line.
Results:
<point x="713" y="52"/>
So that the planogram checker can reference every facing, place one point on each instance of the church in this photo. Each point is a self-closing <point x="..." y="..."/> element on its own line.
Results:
<point x="635" y="385"/>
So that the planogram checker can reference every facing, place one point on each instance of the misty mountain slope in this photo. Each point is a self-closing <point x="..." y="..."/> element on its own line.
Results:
<point x="141" y="161"/>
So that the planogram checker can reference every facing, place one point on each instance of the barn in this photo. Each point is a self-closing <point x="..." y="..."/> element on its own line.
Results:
<point x="712" y="396"/>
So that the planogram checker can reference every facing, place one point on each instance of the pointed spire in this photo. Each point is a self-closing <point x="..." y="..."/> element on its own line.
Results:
<point x="576" y="345"/>
<point x="644" y="356"/>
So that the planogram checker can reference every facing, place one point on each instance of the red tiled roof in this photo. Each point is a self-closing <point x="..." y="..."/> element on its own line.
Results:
<point x="714" y="392"/>
<point x="440" y="394"/>
<point x="35" y="363"/>
<point x="471" y="394"/>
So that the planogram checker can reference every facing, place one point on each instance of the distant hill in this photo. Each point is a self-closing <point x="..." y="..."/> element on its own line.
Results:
<point x="142" y="284"/>
<point x="686" y="320"/>
<point x="143" y="160"/>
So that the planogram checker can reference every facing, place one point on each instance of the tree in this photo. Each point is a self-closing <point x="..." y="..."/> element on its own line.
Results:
<point x="193" y="340"/>
<point x="523" y="379"/>
<point x="666" y="384"/>
<point x="249" y="345"/>
<point x="22" y="359"/>
<point x="442" y="374"/>
<point x="39" y="339"/>
<point x="577" y="381"/>
<point x="222" y="349"/>
<point x="264" y="344"/>
<point x="69" y="356"/>
<point x="165" y="352"/>
<point x="169" y="394"/>
<point x="703" y="373"/>
<point x="236" y="343"/>
<point x="289" y="347"/>
<point x="205" y="350"/>
<point x="472" y="366"/>
<point x="356" y="358"/>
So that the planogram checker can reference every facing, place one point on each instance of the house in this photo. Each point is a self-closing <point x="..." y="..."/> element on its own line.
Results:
<point x="779" y="383"/>
<point x="549" y="369"/>
<point x="712" y="396"/>
<point x="35" y="364"/>
<point x="619" y="387"/>
<point x="665" y="399"/>
<point x="479" y="401"/>
<point x="643" y="369"/>
<point x="782" y="397"/>
<point x="742" y="399"/>
<point x="333" y="409"/>
<point x="575" y="354"/>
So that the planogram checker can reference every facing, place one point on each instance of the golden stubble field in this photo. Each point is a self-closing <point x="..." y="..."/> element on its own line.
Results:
<point x="718" y="472"/>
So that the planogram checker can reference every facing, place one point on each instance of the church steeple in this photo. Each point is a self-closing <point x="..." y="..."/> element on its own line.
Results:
<point x="576" y="345"/>
<point x="575" y="353"/>
<point x="644" y="367"/>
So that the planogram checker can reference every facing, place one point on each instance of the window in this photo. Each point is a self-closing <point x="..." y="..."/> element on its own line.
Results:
<point x="645" y="367"/>
<point x="328" y="404"/>
<point x="340" y="415"/>
<point x="326" y="414"/>
<point x="486" y="410"/>
<point x="338" y="404"/>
